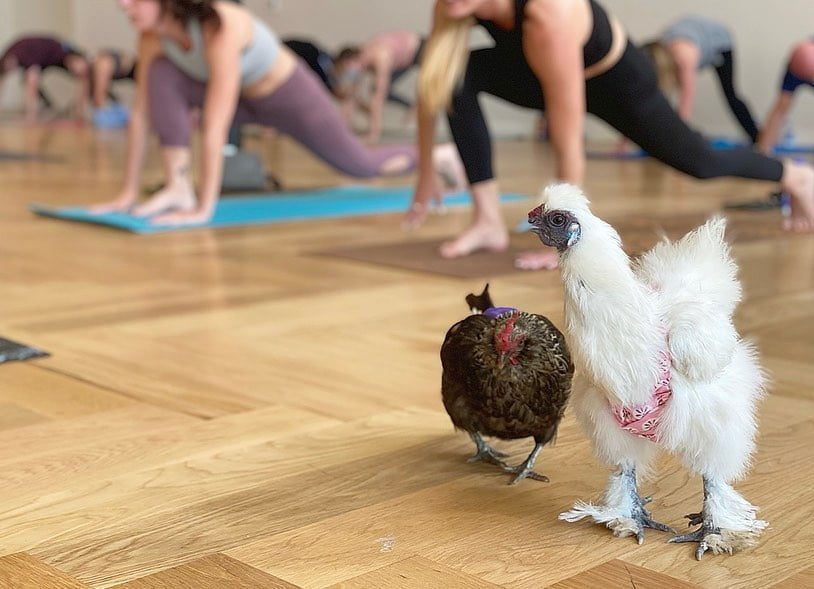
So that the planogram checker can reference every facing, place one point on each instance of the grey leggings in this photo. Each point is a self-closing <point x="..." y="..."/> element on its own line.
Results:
<point x="301" y="108"/>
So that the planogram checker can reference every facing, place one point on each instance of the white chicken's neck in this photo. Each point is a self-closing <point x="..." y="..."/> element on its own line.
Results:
<point x="612" y="318"/>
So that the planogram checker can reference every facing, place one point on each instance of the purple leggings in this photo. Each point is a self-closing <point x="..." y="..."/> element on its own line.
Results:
<point x="301" y="108"/>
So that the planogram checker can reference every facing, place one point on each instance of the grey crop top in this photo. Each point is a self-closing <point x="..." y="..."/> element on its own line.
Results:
<point x="255" y="60"/>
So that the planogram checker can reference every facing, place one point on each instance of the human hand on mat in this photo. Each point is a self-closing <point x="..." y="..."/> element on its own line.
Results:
<point x="426" y="195"/>
<point x="447" y="176"/>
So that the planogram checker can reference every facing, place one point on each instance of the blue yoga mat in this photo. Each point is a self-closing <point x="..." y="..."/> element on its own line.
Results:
<point x="635" y="154"/>
<point x="779" y="149"/>
<point x="720" y="143"/>
<point x="342" y="201"/>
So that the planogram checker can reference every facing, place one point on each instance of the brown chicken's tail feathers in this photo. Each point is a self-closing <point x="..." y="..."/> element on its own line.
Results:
<point x="479" y="303"/>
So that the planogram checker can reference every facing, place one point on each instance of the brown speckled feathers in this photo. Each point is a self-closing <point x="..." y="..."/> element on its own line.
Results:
<point x="506" y="396"/>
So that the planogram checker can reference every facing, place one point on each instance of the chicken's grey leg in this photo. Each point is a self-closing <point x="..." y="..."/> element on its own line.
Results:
<point x="639" y="514"/>
<point x="707" y="527"/>
<point x="526" y="468"/>
<point x="485" y="451"/>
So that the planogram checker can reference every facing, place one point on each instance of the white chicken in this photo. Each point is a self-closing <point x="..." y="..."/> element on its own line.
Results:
<point x="658" y="364"/>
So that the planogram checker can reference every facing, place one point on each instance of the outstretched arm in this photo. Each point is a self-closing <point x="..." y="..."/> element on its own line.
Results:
<point x="79" y="66"/>
<point x="551" y="42"/>
<point x="427" y="188"/>
<point x="220" y="103"/>
<point x="102" y="71"/>
<point x="686" y="56"/>
<point x="774" y="122"/>
<point x="347" y="106"/>
<point x="7" y="64"/>
<point x="149" y="48"/>
<point x="382" y="67"/>
<point x="222" y="52"/>
<point x="31" y="92"/>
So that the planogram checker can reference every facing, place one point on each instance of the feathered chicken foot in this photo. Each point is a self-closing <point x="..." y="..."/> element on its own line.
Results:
<point x="624" y="512"/>
<point x="707" y="535"/>
<point x="643" y="517"/>
<point x="711" y="537"/>
<point x="486" y="452"/>
<point x="526" y="468"/>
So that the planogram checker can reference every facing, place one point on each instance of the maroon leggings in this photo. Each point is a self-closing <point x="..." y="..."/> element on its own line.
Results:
<point x="301" y="108"/>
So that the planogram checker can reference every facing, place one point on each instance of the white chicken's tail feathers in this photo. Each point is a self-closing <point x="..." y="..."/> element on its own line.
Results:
<point x="698" y="288"/>
<point x="698" y="263"/>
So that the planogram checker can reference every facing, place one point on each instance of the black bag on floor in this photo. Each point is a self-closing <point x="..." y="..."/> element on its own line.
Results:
<point x="243" y="171"/>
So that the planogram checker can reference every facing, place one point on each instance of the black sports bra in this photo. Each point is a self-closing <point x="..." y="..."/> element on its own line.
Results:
<point x="597" y="46"/>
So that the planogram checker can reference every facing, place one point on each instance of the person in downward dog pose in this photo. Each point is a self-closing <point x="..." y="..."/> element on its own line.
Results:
<point x="799" y="72"/>
<point x="387" y="57"/>
<point x="566" y="58"/>
<point x="686" y="47"/>
<point x="218" y="56"/>
<point x="34" y="55"/>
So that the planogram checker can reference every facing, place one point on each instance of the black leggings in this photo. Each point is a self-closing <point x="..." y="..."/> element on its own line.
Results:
<point x="627" y="97"/>
<point x="736" y="105"/>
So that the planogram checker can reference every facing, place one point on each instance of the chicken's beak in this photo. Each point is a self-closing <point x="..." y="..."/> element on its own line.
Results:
<point x="537" y="225"/>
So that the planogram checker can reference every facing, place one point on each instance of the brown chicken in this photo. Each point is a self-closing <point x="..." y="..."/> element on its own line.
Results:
<point x="506" y="374"/>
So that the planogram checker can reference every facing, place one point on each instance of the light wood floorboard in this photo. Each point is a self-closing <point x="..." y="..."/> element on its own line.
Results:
<point x="210" y="572"/>
<point x="228" y="409"/>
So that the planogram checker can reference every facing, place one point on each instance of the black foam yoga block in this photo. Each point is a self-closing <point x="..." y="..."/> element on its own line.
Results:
<point x="11" y="351"/>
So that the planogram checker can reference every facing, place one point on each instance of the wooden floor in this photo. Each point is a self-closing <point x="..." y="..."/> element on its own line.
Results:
<point x="226" y="409"/>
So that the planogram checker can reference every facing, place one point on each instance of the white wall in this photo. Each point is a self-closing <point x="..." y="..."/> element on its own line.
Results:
<point x="6" y="21"/>
<point x="763" y="34"/>
<point x="101" y="24"/>
<point x="338" y="22"/>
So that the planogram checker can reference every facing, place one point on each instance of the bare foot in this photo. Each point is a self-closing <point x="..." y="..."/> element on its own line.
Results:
<point x="799" y="182"/>
<point x="546" y="259"/>
<point x="492" y="238"/>
<point x="179" y="197"/>
<point x="118" y="205"/>
<point x="396" y="165"/>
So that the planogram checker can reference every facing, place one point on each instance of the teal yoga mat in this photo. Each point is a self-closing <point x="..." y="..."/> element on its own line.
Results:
<point x="342" y="201"/>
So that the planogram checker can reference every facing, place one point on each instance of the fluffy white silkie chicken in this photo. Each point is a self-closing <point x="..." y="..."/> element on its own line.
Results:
<point x="658" y="364"/>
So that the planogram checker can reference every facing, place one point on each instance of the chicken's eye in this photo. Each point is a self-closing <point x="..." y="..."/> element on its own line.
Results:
<point x="558" y="220"/>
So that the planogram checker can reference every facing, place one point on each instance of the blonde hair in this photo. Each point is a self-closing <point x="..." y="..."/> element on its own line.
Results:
<point x="444" y="61"/>
<point x="666" y="69"/>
